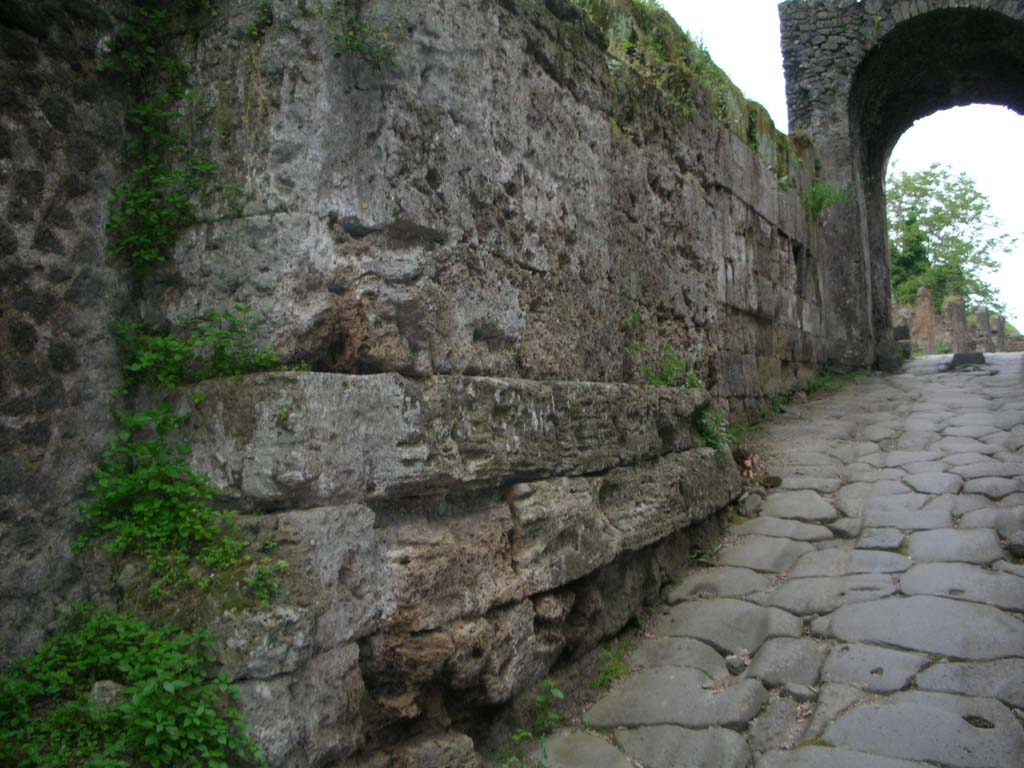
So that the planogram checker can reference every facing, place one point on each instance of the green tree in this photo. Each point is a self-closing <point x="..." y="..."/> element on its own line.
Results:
<point x="943" y="235"/>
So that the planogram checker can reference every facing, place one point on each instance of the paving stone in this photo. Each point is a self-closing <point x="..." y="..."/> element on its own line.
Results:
<point x="963" y="459"/>
<point x="881" y="670"/>
<point x="1003" y="679"/>
<point x="787" y="660"/>
<point x="809" y="483"/>
<point x="828" y="757"/>
<point x="965" y="582"/>
<point x="1013" y="569"/>
<point x="948" y="545"/>
<point x="848" y="562"/>
<point x="799" y="692"/>
<point x="847" y="527"/>
<point x="728" y="625"/>
<point x="668" y="746"/>
<point x="889" y="488"/>
<point x="955" y="731"/>
<point x="963" y="445"/>
<point x="935" y="482"/>
<point x="881" y="538"/>
<point x="992" y="487"/>
<point x="807" y="506"/>
<point x="851" y="497"/>
<point x="860" y="473"/>
<point x="977" y="432"/>
<point x="777" y="727"/>
<point x="952" y="628"/>
<point x="924" y="468"/>
<point x="579" y="749"/>
<point x="907" y="512"/>
<point x="764" y="553"/>
<point x="679" y="652"/>
<point x="1003" y="521"/>
<point x="785" y="529"/>
<point x="989" y="469"/>
<point x="833" y="699"/>
<point x="721" y="581"/>
<point x="671" y="696"/>
<point x="806" y="597"/>
<point x="878" y="432"/>
<point x="900" y="458"/>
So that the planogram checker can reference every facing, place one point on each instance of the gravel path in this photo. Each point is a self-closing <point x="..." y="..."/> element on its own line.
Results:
<point x="870" y="617"/>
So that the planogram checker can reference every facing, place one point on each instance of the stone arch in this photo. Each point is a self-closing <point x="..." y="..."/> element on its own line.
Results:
<point x="858" y="75"/>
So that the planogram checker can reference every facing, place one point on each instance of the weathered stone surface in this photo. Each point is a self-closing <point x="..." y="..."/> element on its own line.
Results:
<point x="676" y="697"/>
<point x="848" y="562"/>
<point x="833" y="699"/>
<point x="931" y="624"/>
<point x="668" y="746"/>
<point x="965" y="582"/>
<point x="781" y="528"/>
<point x="847" y="527"/>
<point x="777" y="727"/>
<point x="806" y="506"/>
<point x="881" y="538"/>
<point x="764" y="553"/>
<point x="787" y="660"/>
<point x="976" y="545"/>
<point x="1005" y="521"/>
<point x="679" y="652"/>
<point x="907" y="511"/>
<point x="935" y="482"/>
<point x="954" y="731"/>
<point x="568" y="527"/>
<point x="808" y="596"/>
<point x="827" y="757"/>
<point x="1003" y="679"/>
<point x="729" y="625"/>
<point x="993" y="487"/>
<point x="354" y="437"/>
<point x="882" y="670"/>
<point x="990" y="469"/>
<point x="721" y="581"/>
<point x="576" y="749"/>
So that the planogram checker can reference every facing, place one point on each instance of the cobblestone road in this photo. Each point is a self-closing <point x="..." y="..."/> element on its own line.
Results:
<point x="869" y="617"/>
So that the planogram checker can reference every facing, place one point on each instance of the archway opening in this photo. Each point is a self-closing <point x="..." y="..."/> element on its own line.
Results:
<point x="967" y="144"/>
<point x="932" y="62"/>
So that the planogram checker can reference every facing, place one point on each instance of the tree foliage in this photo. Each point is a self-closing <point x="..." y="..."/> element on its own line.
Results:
<point x="943" y="235"/>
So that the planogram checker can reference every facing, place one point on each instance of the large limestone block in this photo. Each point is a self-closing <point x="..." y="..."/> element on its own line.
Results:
<point x="310" y="439"/>
<point x="568" y="527"/>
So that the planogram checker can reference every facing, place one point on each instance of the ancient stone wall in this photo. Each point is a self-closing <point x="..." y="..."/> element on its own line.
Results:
<point x="476" y="251"/>
<point x="60" y="144"/>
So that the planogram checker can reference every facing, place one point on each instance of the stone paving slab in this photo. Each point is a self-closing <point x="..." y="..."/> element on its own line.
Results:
<point x="679" y="652"/>
<point x="578" y="749"/>
<point x="816" y="595"/>
<point x="784" y="660"/>
<point x="828" y="757"/>
<point x="965" y="582"/>
<point x="848" y="562"/>
<point x="767" y="554"/>
<point x="951" y="730"/>
<point x="881" y="538"/>
<point x="931" y="624"/>
<point x="783" y="529"/>
<point x="668" y="746"/>
<point x="729" y="625"/>
<point x="723" y="581"/>
<point x="806" y="506"/>
<point x="978" y="545"/>
<point x="676" y="697"/>
<point x="935" y="482"/>
<point x="882" y="670"/>
<point x="1003" y="679"/>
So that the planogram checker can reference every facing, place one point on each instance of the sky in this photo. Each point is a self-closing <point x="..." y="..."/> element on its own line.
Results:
<point x="983" y="141"/>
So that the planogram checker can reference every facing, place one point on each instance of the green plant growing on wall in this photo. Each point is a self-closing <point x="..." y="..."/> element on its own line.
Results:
<point x="670" y="370"/>
<point x="162" y="705"/>
<point x="715" y="433"/>
<point x="364" y="33"/>
<point x="145" y="500"/>
<point x="545" y="720"/>
<point x="214" y="345"/>
<point x="258" y="27"/>
<point x="614" y="666"/>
